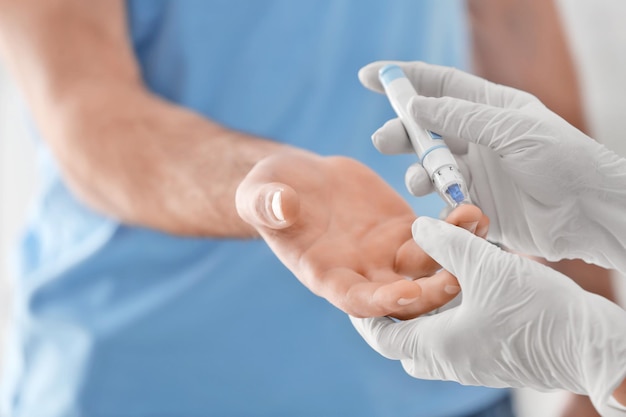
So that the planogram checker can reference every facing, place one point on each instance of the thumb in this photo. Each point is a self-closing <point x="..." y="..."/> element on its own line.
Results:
<point x="271" y="205"/>
<point x="383" y="335"/>
<point x="463" y="254"/>
<point x="404" y="340"/>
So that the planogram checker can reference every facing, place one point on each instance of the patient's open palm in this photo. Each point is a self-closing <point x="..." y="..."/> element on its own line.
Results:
<point x="346" y="234"/>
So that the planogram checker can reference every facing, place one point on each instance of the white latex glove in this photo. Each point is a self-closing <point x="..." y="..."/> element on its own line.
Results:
<point x="548" y="189"/>
<point x="520" y="324"/>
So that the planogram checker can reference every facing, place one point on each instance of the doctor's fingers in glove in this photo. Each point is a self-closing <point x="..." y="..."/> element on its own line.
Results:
<point x="520" y="324"/>
<point x="436" y="338"/>
<point x="345" y="234"/>
<point x="506" y="134"/>
<point x="437" y="81"/>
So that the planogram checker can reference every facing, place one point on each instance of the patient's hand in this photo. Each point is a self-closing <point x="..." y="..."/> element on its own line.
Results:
<point x="346" y="234"/>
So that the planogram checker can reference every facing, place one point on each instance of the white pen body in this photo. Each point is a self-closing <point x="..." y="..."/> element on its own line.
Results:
<point x="433" y="153"/>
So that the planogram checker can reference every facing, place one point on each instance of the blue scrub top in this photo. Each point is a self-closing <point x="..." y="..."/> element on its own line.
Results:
<point x="112" y="320"/>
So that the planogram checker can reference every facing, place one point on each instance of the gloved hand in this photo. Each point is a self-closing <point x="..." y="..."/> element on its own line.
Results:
<point x="520" y="324"/>
<point x="548" y="189"/>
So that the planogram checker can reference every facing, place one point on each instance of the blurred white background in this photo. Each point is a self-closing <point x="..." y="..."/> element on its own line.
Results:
<point x="598" y="37"/>
<point x="17" y="183"/>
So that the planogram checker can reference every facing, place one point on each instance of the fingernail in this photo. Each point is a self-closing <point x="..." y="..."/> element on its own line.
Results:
<point x="452" y="289"/>
<point x="406" y="301"/>
<point x="277" y="205"/>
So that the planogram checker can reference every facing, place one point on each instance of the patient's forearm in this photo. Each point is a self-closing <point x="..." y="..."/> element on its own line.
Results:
<point x="122" y="150"/>
<point x="148" y="162"/>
